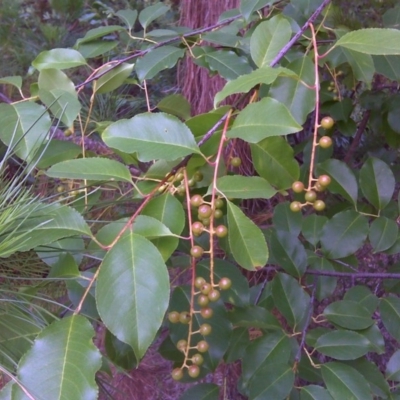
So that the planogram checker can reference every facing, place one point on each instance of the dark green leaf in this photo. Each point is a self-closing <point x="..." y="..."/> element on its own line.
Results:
<point x="175" y="104"/>
<point x="202" y="391"/>
<point x="393" y="367"/>
<point x="113" y="79"/>
<point x="390" y="314"/>
<point x="228" y="64"/>
<point x="383" y="234"/>
<point x="286" y="220"/>
<point x="57" y="151"/>
<point x="388" y="66"/>
<point x="326" y="285"/>
<point x="253" y="317"/>
<point x="97" y="48"/>
<point x="248" y="7"/>
<point x="312" y="228"/>
<point x="363" y="296"/>
<point x="237" y="347"/>
<point x="314" y="392"/>
<point x="119" y="352"/>
<point x="97" y="33"/>
<point x="128" y="17"/>
<point x="151" y="13"/>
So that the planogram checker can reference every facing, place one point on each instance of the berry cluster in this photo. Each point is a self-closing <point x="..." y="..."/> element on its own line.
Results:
<point x="175" y="184"/>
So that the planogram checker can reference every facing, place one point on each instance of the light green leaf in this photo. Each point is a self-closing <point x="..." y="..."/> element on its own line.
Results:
<point x="132" y="291"/>
<point x="57" y="151"/>
<point x="344" y="234"/>
<point x="376" y="41"/>
<point x="344" y="382"/>
<point x="383" y="234"/>
<point x="97" y="48"/>
<point x="149" y="14"/>
<point x="50" y="79"/>
<point x="175" y="104"/>
<point x="157" y="60"/>
<point x="65" y="352"/>
<point x="377" y="182"/>
<point x="392" y="372"/>
<point x="388" y="66"/>
<point x="363" y="297"/>
<point x="97" y="33"/>
<point x="314" y="392"/>
<point x="113" y="79"/>
<point x="26" y="124"/>
<point x="152" y="136"/>
<point x="248" y="7"/>
<point x="128" y="17"/>
<point x="12" y="80"/>
<point x="58" y="59"/>
<point x="390" y="314"/>
<point x="202" y="391"/>
<point x="268" y="39"/>
<point x="244" y="187"/>
<point x="273" y="159"/>
<point x="98" y="169"/>
<point x="246" y="240"/>
<point x="342" y="345"/>
<point x="267" y="117"/>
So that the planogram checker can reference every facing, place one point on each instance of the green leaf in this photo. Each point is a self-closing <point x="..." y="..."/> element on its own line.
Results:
<point x="149" y="14"/>
<point x="377" y="182"/>
<point x="113" y="79"/>
<point x="248" y="7"/>
<point x="12" y="80"/>
<point x="293" y="93"/>
<point x="392" y="372"/>
<point x="348" y="314"/>
<point x="97" y="48"/>
<point x="383" y="234"/>
<point x="97" y="169"/>
<point x="24" y="127"/>
<point x="157" y="60"/>
<point x="342" y="345"/>
<point x="344" y="234"/>
<point x="343" y="180"/>
<point x="273" y="160"/>
<point x="6" y="391"/>
<point x="268" y="39"/>
<point x="344" y="382"/>
<point x="363" y="297"/>
<point x="119" y="352"/>
<point x="244" y="187"/>
<point x="388" y="66"/>
<point x="237" y="346"/>
<point x="361" y="64"/>
<point x="152" y="136"/>
<point x="58" y="59"/>
<point x="253" y="317"/>
<point x="57" y="151"/>
<point x="312" y="228"/>
<point x="290" y="299"/>
<point x="50" y="79"/>
<point x="132" y="291"/>
<point x="285" y="220"/>
<point x="128" y="17"/>
<point x="257" y="121"/>
<point x="202" y="391"/>
<point x="97" y="33"/>
<point x="326" y="285"/>
<point x="314" y="392"/>
<point x="65" y="352"/>
<point x="377" y="41"/>
<point x="246" y="240"/>
<point x="175" y="104"/>
<point x="389" y="309"/>
<point x="228" y="64"/>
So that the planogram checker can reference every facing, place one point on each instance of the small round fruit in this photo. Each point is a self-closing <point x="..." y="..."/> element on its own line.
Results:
<point x="206" y="221"/>
<point x="218" y="213"/>
<point x="181" y="345"/>
<point x="295" y="206"/>
<point x="325" y="142"/>
<point x="324" y="180"/>
<point x="298" y="187"/>
<point x="319" y="188"/>
<point x="194" y="371"/>
<point x="236" y="162"/>
<point x="191" y="182"/>
<point x="214" y="295"/>
<point x="206" y="288"/>
<point x="206" y="312"/>
<point x="181" y="190"/>
<point x="221" y="231"/>
<point x="204" y="211"/>
<point x="202" y="346"/>
<point x="319" y="205"/>
<point x="327" y="122"/>
<point x="198" y="176"/>
<point x="173" y="317"/>
<point x="310" y="196"/>
<point x="196" y="251"/>
<point x="197" y="359"/>
<point x="199" y="282"/>
<point x="184" y="317"/>
<point x="179" y="176"/>
<point x="219" y="203"/>
<point x="203" y="300"/>
<point x="197" y="228"/>
<point x="60" y="189"/>
<point x="177" y="374"/>
<point x="205" y="329"/>
<point x="196" y="200"/>
<point x="225" y="283"/>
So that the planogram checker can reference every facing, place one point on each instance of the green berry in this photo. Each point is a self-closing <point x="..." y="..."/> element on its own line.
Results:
<point x="173" y="317"/>
<point x="295" y="206"/>
<point x="196" y="200"/>
<point x="298" y="187"/>
<point x="196" y="251"/>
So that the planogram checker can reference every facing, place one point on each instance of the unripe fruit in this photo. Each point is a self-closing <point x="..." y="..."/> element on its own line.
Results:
<point x="191" y="182"/>
<point x="221" y="231"/>
<point x="196" y="200"/>
<point x="298" y="187"/>
<point x="179" y="176"/>
<point x="219" y="203"/>
<point x="197" y="228"/>
<point x="184" y="317"/>
<point x="319" y="205"/>
<point x="324" y="180"/>
<point x="181" y="345"/>
<point x="205" y="329"/>
<point x="202" y="346"/>
<point x="236" y="162"/>
<point x="196" y="251"/>
<point x="181" y="190"/>
<point x="177" y="374"/>
<point x="194" y="371"/>
<point x="206" y="312"/>
<point x="203" y="300"/>
<point x="197" y="359"/>
<point x="204" y="211"/>
<point x="205" y="221"/>
<point x="319" y="188"/>
<point x="327" y="122"/>
<point x="198" y="176"/>
<point x="199" y="282"/>
<point x="214" y="295"/>
<point x="218" y="213"/>
<point x="225" y="283"/>
<point x="310" y="196"/>
<point x="206" y="288"/>
<point x="173" y="317"/>
<point x="60" y="189"/>
<point x="325" y="142"/>
<point x="295" y="206"/>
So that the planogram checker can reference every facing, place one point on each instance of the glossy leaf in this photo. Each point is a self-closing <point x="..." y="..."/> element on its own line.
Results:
<point x="253" y="317"/>
<point x="128" y="17"/>
<point x="65" y="351"/>
<point x="344" y="382"/>
<point x="58" y="59"/>
<point x="175" y="104"/>
<point x="393" y="367"/>
<point x="97" y="48"/>
<point x="237" y="347"/>
<point x="273" y="160"/>
<point x="343" y="181"/>
<point x="202" y="391"/>
<point x="248" y="7"/>
<point x="157" y="60"/>
<point x="377" y="182"/>
<point x="326" y="285"/>
<point x="312" y="228"/>
<point x="342" y="345"/>
<point x="119" y="352"/>
<point x="387" y="66"/>
<point x="152" y="136"/>
<point x="99" y="32"/>
<point x="267" y="117"/>
<point x="51" y="79"/>
<point x="344" y="234"/>
<point x="98" y="169"/>
<point x="286" y="220"/>
<point x="268" y="39"/>
<point x="363" y="296"/>
<point x="57" y="151"/>
<point x="390" y="314"/>
<point x="290" y="299"/>
<point x="112" y="79"/>
<point x="362" y="65"/>
<point x="375" y="337"/>
<point x="246" y="240"/>
<point x="132" y="291"/>
<point x="228" y="64"/>
<point x="314" y="392"/>
<point x="348" y="314"/>
<point x="383" y="234"/>
<point x="151" y="13"/>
